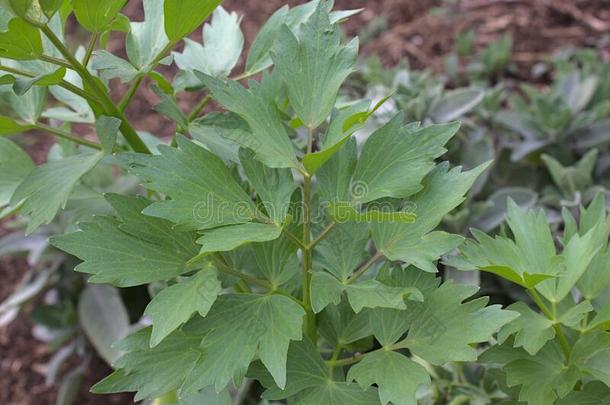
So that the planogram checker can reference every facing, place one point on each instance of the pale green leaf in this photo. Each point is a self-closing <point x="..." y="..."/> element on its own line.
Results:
<point x="104" y="319"/>
<point x="110" y="66"/>
<point x="223" y="43"/>
<point x="46" y="188"/>
<point x="107" y="129"/>
<point x="174" y="305"/>
<point x="146" y="39"/>
<point x="15" y="166"/>
<point x="22" y="85"/>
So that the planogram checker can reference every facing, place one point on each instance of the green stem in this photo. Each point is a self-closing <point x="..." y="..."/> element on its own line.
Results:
<point x="293" y="238"/>
<point x="310" y="318"/>
<point x="130" y="93"/>
<point x="90" y="48"/>
<point x="359" y="356"/>
<point x="65" y="135"/>
<point x="322" y="235"/>
<point x="101" y="92"/>
<point x="561" y="337"/>
<point x="364" y="267"/>
<point x="55" y="61"/>
<point x="222" y="266"/>
<point x="66" y="85"/>
<point x="199" y="108"/>
<point x="335" y="356"/>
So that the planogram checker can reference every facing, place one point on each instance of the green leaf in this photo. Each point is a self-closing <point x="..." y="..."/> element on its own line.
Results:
<point x="269" y="138"/>
<point x="338" y="133"/>
<point x="326" y="289"/>
<point x="218" y="132"/>
<point x="153" y="372"/>
<point x="343" y="249"/>
<point x="111" y="66"/>
<point x="591" y="354"/>
<point x="345" y="212"/>
<point x="36" y="12"/>
<point x="15" y="166"/>
<point x="308" y="382"/>
<point x="334" y="178"/>
<point x="223" y="43"/>
<point x="183" y="16"/>
<point x="169" y="108"/>
<point x="174" y="305"/>
<point x="21" y="41"/>
<point x="273" y="186"/>
<point x="146" y="40"/>
<point x="231" y="237"/>
<point x="531" y="329"/>
<point x="133" y="250"/>
<point x="543" y="378"/>
<point x="258" y="56"/>
<point x="96" y="15"/>
<point x="436" y="331"/>
<point x="339" y="325"/>
<point x="240" y="326"/>
<point x="107" y="129"/>
<point x="9" y="126"/>
<point x="314" y="66"/>
<point x="46" y="188"/>
<point x="500" y="256"/>
<point x="396" y="158"/>
<point x="415" y="243"/>
<point x="276" y="260"/>
<point x="203" y="192"/>
<point x="593" y="393"/>
<point x="397" y="377"/>
<point x="22" y="85"/>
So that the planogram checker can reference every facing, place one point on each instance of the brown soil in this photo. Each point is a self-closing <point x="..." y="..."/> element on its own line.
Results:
<point x="422" y="32"/>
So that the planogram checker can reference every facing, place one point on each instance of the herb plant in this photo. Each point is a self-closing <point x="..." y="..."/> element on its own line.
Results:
<point x="556" y="350"/>
<point x="287" y="256"/>
<point x="289" y="240"/>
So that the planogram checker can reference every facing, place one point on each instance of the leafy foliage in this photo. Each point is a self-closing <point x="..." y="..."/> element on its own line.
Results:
<point x="290" y="243"/>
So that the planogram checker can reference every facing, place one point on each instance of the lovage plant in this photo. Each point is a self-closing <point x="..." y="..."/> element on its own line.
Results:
<point x="557" y="350"/>
<point x="282" y="251"/>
